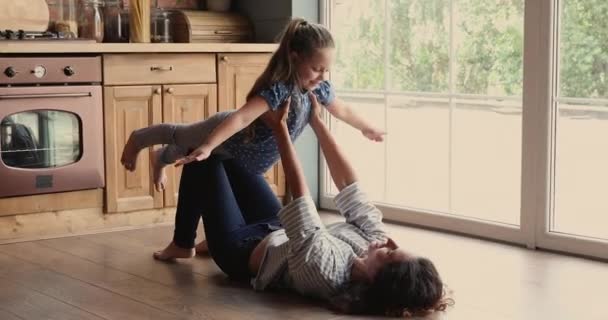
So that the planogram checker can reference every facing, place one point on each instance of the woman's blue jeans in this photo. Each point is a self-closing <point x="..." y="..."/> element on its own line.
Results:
<point x="238" y="209"/>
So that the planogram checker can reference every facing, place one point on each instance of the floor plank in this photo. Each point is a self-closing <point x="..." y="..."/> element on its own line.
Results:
<point x="152" y="281"/>
<point x="156" y="237"/>
<point x="29" y="304"/>
<point x="134" y="246"/>
<point x="83" y="295"/>
<point x="62" y="283"/>
<point x="177" y="278"/>
<point x="36" y="254"/>
<point x="221" y="299"/>
<point x="7" y="315"/>
<point x="138" y="264"/>
<point x="112" y="276"/>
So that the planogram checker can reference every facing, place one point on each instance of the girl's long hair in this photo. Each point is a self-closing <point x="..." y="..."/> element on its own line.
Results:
<point x="299" y="38"/>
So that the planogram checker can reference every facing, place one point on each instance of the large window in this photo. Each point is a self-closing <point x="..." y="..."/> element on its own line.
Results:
<point x="469" y="147"/>
<point x="445" y="80"/>
<point x="581" y="129"/>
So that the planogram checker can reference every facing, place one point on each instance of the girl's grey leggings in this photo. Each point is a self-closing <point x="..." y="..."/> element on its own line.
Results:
<point x="178" y="139"/>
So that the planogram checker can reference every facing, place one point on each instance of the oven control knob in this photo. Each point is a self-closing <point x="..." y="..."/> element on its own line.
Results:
<point x="69" y="71"/>
<point x="10" y="72"/>
<point x="39" y="72"/>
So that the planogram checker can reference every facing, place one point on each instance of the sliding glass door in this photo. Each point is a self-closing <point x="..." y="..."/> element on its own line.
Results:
<point x="487" y="133"/>
<point x="576" y="218"/>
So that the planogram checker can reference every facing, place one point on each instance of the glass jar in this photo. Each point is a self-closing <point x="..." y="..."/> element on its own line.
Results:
<point x="116" y="22"/>
<point x="160" y="26"/>
<point x="90" y="22"/>
<point x="63" y="17"/>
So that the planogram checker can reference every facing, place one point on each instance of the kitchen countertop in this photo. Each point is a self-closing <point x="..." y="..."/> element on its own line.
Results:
<point x="75" y="46"/>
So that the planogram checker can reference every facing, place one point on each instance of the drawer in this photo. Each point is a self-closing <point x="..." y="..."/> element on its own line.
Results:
<point x="161" y="68"/>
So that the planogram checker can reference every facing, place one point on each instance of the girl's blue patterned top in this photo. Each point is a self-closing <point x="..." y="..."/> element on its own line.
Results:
<point x="259" y="154"/>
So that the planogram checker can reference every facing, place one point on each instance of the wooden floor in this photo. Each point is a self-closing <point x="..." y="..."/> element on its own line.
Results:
<point x="112" y="276"/>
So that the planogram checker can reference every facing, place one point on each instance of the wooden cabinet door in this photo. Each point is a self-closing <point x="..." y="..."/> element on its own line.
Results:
<point x="237" y="73"/>
<point x="126" y="109"/>
<point x="185" y="104"/>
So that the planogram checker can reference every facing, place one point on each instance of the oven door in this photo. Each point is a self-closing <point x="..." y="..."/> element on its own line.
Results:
<point x="51" y="139"/>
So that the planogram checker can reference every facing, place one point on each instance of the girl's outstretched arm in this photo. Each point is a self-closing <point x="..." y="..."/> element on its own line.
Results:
<point x="340" y="109"/>
<point x="236" y="122"/>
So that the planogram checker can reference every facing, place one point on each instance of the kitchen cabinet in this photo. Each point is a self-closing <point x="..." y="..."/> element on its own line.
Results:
<point x="183" y="104"/>
<point x="237" y="73"/>
<point x="169" y="88"/>
<point x="145" y="89"/>
<point x="125" y="110"/>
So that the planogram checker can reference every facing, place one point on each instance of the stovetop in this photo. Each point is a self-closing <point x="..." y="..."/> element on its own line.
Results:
<point x="33" y="35"/>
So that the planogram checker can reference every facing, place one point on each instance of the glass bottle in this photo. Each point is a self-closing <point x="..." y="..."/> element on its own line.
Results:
<point x="116" y="25"/>
<point x="90" y="22"/>
<point x="63" y="17"/>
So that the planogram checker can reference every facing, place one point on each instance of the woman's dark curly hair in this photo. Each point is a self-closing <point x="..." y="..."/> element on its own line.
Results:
<point x="406" y="288"/>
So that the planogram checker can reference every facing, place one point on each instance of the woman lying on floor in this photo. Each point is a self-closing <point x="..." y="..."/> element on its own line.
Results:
<point x="353" y="264"/>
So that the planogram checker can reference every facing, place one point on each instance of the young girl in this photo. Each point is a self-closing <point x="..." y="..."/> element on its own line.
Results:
<point x="298" y="66"/>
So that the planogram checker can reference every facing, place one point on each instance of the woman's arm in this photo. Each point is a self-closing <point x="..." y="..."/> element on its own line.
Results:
<point x="339" y="109"/>
<point x="341" y="170"/>
<point x="352" y="202"/>
<point x="236" y="122"/>
<point x="294" y="174"/>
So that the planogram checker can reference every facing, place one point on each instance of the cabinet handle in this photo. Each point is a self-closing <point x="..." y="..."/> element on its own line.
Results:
<point x="225" y="58"/>
<point x="158" y="91"/>
<point x="223" y="32"/>
<point x="161" y="68"/>
<point x="170" y="90"/>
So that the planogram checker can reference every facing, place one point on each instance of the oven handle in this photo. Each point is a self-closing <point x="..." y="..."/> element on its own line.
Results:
<point x="45" y="95"/>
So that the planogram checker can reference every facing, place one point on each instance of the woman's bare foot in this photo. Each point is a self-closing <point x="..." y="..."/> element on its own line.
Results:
<point x="129" y="153"/>
<point x="172" y="251"/>
<point x="202" y="249"/>
<point x="158" y="170"/>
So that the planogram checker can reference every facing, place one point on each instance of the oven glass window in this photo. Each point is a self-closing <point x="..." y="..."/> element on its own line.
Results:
<point x="40" y="139"/>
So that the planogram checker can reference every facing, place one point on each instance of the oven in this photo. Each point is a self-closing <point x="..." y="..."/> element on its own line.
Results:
<point x="51" y="125"/>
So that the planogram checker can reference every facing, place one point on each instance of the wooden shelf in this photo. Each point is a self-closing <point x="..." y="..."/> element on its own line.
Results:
<point x="67" y="46"/>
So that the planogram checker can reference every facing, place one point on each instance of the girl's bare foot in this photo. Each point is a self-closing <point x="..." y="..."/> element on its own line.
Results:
<point x="172" y="252"/>
<point x="158" y="170"/>
<point x="129" y="153"/>
<point x="202" y="248"/>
